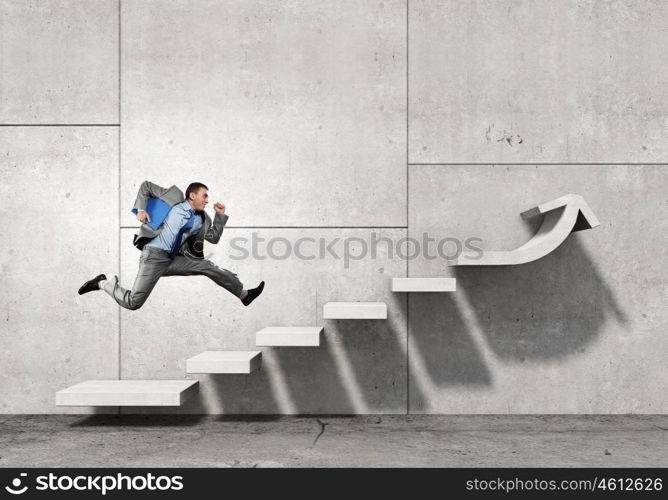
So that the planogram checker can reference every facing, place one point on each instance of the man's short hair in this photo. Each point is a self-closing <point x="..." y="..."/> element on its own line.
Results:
<point x="194" y="187"/>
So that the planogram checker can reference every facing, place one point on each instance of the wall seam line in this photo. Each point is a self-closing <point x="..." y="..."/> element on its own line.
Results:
<point x="59" y="125"/>
<point x="299" y="227"/>
<point x="408" y="373"/>
<point x="119" y="195"/>
<point x="492" y="164"/>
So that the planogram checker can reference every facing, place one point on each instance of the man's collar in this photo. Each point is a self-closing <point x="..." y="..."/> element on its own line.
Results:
<point x="186" y="206"/>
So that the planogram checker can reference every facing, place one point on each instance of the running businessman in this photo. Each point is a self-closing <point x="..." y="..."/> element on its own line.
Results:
<point x="171" y="240"/>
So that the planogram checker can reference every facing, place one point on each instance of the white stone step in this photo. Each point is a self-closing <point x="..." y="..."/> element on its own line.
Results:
<point x="355" y="310"/>
<point x="128" y="393"/>
<point x="224" y="362"/>
<point x="276" y="336"/>
<point x="424" y="284"/>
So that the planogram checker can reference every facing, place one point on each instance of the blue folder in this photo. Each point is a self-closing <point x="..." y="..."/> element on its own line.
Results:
<point x="157" y="211"/>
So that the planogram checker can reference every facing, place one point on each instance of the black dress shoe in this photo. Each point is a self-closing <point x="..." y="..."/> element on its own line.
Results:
<point x="252" y="293"/>
<point x="91" y="285"/>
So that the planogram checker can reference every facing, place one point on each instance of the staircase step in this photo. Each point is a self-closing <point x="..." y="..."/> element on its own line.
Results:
<point x="424" y="284"/>
<point x="276" y="336"/>
<point x="128" y="393"/>
<point x="355" y="310"/>
<point x="224" y="362"/>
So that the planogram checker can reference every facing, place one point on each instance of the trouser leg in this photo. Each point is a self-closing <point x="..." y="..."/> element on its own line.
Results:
<point x="153" y="264"/>
<point x="188" y="266"/>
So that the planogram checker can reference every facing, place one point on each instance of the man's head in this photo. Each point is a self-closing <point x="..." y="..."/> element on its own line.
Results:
<point x="197" y="195"/>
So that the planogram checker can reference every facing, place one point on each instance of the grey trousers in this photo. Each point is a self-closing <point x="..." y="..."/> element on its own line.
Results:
<point x="155" y="263"/>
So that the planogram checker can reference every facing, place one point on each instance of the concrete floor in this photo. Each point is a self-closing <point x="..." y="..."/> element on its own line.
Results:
<point x="324" y="441"/>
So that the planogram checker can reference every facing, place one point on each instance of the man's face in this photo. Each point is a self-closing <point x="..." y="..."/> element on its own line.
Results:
<point x="199" y="199"/>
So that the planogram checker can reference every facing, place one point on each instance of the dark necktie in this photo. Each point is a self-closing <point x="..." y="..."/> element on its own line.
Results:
<point x="177" y="241"/>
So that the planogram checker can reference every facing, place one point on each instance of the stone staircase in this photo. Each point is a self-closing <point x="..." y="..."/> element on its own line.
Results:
<point x="561" y="216"/>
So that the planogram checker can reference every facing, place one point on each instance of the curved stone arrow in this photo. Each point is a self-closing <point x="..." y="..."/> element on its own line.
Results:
<point x="561" y="217"/>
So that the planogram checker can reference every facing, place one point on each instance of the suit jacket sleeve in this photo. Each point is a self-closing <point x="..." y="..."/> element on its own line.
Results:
<point x="216" y="229"/>
<point x="146" y="190"/>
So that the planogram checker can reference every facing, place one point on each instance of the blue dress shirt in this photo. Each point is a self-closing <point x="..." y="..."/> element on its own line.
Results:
<point x="176" y="218"/>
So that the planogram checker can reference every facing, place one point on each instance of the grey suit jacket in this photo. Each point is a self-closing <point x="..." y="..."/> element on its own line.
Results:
<point x="194" y="245"/>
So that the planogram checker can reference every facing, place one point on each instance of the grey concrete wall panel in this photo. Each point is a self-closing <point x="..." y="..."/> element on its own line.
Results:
<point x="521" y="81"/>
<point x="294" y="114"/>
<point x="60" y="224"/>
<point x="59" y="62"/>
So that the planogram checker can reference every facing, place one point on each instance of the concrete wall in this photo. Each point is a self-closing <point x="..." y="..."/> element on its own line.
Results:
<point x="339" y="120"/>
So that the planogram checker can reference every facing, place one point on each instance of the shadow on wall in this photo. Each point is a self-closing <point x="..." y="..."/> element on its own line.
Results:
<point x="443" y="352"/>
<point x="302" y="376"/>
<point x="237" y="391"/>
<point x="546" y="309"/>
<point x="360" y="367"/>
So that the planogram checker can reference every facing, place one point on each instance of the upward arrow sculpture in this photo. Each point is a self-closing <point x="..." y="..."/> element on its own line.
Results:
<point x="561" y="217"/>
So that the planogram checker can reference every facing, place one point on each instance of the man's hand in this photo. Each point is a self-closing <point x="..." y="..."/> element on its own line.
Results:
<point x="142" y="216"/>
<point x="219" y="207"/>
